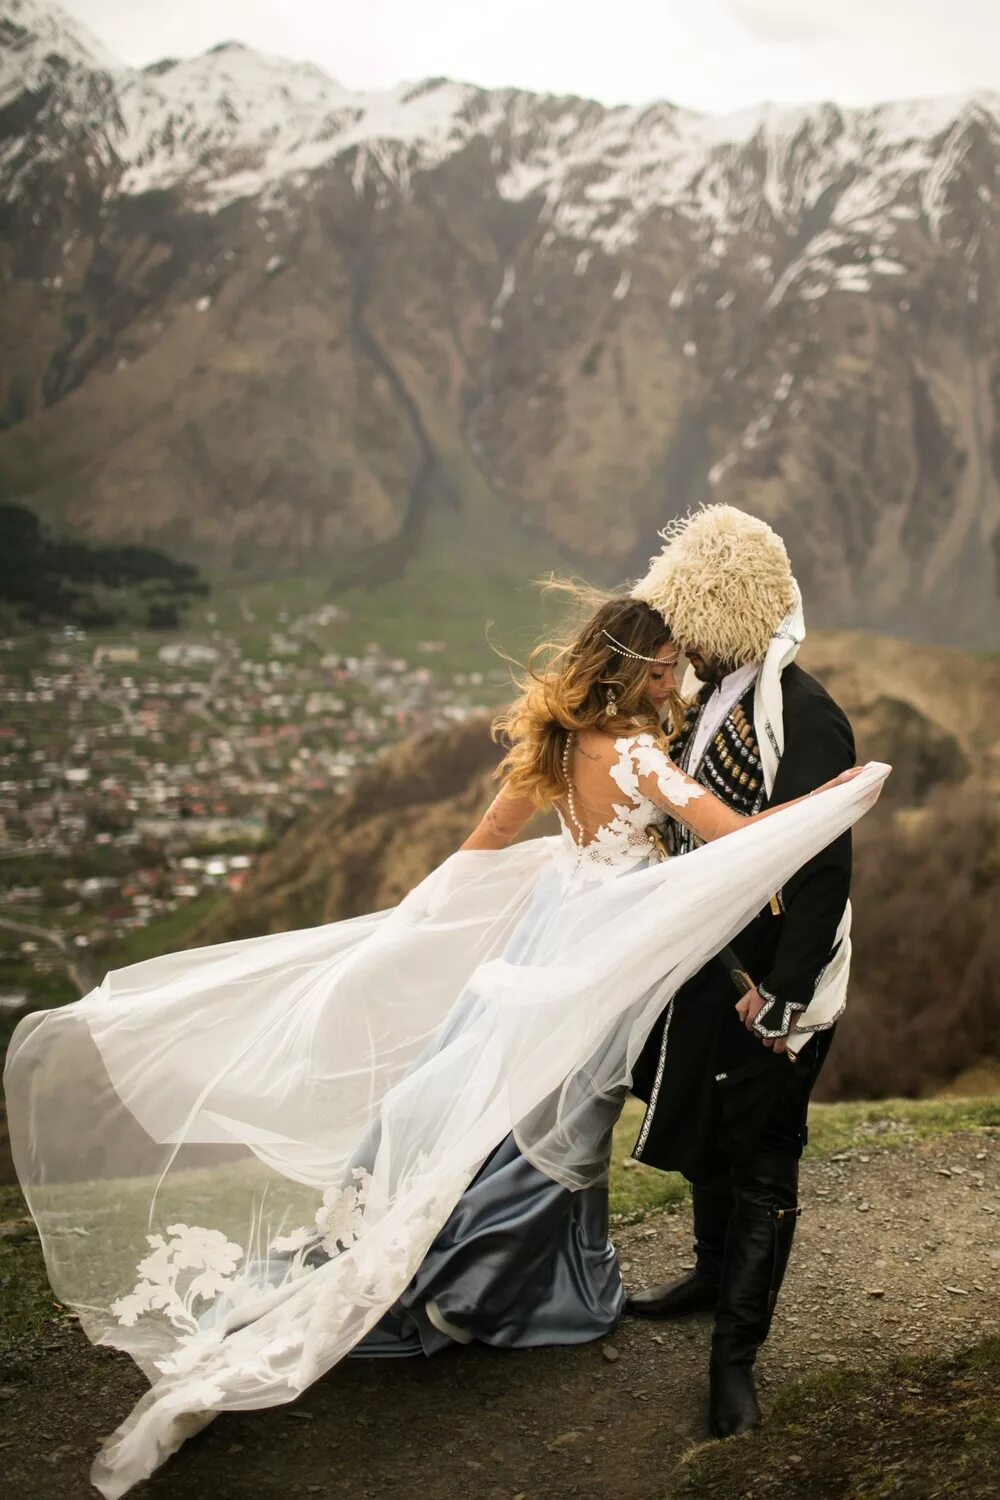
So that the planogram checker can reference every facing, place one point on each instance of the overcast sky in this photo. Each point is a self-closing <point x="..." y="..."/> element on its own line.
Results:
<point x="707" y="54"/>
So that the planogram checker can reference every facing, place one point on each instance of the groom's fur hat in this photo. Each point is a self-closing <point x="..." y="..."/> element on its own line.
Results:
<point x="723" y="582"/>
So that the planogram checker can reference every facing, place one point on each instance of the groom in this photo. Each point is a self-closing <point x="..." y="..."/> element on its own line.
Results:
<point x="727" y="1090"/>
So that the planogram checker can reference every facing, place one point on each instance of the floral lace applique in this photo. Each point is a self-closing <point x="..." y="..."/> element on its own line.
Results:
<point x="624" y="841"/>
<point x="640" y="755"/>
<point x="215" y="1262"/>
<point x="205" y="1251"/>
<point x="340" y="1219"/>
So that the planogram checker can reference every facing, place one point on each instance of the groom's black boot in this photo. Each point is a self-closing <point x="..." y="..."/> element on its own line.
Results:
<point x="696" y="1290"/>
<point x="759" y="1243"/>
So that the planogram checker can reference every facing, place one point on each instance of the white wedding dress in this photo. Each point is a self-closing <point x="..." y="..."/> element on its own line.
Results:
<point x="239" y="1156"/>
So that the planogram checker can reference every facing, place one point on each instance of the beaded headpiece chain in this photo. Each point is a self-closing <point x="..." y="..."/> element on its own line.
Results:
<point x="625" y="651"/>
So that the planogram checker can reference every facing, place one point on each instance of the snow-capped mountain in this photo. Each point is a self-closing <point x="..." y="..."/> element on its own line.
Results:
<point x="257" y="313"/>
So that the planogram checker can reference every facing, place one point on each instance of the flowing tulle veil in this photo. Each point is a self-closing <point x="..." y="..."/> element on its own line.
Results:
<point x="238" y="1156"/>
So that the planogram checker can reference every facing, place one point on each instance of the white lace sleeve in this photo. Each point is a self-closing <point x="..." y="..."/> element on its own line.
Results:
<point x="644" y="770"/>
<point x="641" y="761"/>
<point x="675" y="787"/>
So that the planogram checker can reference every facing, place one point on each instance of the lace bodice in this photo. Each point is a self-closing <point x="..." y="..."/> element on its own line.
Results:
<point x="652" y="787"/>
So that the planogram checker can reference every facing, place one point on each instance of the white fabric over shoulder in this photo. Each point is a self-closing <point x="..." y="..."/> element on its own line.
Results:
<point x="830" y="995"/>
<point x="768" y="715"/>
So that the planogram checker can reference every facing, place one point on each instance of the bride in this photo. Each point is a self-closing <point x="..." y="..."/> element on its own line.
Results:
<point x="390" y="1134"/>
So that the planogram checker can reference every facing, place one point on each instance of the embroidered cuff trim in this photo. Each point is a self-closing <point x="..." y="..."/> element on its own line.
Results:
<point x="790" y="1009"/>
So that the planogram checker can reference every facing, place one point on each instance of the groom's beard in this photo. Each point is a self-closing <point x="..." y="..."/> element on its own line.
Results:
<point x="714" y="673"/>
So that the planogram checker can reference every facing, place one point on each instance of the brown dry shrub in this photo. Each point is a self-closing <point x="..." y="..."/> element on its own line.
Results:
<point x="924" y="994"/>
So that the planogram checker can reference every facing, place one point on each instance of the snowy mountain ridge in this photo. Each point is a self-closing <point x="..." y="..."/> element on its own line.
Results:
<point x="234" y="123"/>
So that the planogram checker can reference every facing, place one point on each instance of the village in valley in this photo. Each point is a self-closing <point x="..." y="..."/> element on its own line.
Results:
<point x="142" y="774"/>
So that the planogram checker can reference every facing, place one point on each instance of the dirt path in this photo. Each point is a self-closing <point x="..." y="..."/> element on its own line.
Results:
<point x="899" y="1253"/>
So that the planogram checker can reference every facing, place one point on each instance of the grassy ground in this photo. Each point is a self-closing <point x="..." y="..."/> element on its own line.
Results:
<point x="429" y="604"/>
<point x="833" y="1128"/>
<point x="622" y="1415"/>
<point x="167" y="934"/>
<point x="894" y="1122"/>
<point x="920" y="1429"/>
<point x="923" y="1429"/>
<point x="462" y="580"/>
<point x="28" y="1307"/>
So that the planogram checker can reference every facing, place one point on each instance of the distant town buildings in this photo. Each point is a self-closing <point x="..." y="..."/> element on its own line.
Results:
<point x="115" y="655"/>
<point x="127" y="794"/>
<point x="187" y="654"/>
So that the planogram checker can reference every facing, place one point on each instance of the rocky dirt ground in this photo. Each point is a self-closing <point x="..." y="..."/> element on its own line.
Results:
<point x="899" y="1253"/>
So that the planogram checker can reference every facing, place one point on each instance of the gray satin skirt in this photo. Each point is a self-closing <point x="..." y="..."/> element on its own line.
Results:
<point x="521" y="1262"/>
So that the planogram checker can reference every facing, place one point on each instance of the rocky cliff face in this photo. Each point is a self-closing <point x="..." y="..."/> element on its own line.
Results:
<point x="255" y="318"/>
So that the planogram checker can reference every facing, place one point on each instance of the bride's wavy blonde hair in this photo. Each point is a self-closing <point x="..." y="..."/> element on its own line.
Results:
<point x="564" y="687"/>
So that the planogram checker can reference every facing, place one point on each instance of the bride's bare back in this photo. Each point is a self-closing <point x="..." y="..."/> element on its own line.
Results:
<point x="620" y="784"/>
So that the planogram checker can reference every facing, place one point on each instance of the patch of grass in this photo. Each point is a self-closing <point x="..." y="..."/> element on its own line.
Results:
<point x="28" y="1307"/>
<point x="435" y="599"/>
<point x="475" y="563"/>
<point x="834" y="1128"/>
<point x="47" y="991"/>
<point x="635" y="1190"/>
<point x="920" y="1429"/>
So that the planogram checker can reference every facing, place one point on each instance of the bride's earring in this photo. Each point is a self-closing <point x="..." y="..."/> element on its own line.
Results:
<point x="612" y="704"/>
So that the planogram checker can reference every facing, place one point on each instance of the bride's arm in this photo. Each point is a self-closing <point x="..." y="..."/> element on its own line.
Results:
<point x="502" y="822"/>
<point x="693" y="805"/>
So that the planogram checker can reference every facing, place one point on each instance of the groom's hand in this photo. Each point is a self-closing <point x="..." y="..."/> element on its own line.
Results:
<point x="748" y="1008"/>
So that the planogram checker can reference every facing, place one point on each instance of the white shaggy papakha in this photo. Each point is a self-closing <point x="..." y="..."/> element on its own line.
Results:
<point x="723" y="583"/>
